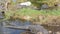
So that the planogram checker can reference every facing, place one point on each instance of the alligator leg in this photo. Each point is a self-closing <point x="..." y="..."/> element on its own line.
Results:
<point x="38" y="29"/>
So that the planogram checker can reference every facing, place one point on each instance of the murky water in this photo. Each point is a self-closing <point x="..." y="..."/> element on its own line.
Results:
<point x="5" y="30"/>
<point x="13" y="31"/>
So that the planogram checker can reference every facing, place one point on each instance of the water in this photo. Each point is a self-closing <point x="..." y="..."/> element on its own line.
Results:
<point x="1" y="28"/>
<point x="5" y="30"/>
<point x="14" y="31"/>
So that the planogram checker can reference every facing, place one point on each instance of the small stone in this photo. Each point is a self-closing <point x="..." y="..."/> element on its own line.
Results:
<point x="50" y="31"/>
<point x="39" y="33"/>
<point x="57" y="32"/>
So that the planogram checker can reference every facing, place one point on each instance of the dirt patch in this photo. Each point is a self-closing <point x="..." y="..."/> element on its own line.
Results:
<point x="47" y="19"/>
<point x="41" y="19"/>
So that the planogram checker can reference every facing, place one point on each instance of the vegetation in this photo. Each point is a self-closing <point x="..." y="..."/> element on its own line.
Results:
<point x="21" y="13"/>
<point x="30" y="12"/>
<point x="38" y="3"/>
<point x="49" y="16"/>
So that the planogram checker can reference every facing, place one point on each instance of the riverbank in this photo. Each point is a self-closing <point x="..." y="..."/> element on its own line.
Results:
<point x="35" y="16"/>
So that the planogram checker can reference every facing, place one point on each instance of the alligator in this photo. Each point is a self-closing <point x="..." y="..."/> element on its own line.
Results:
<point x="32" y="28"/>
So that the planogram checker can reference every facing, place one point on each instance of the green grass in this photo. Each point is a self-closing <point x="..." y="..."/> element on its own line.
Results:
<point x="31" y="12"/>
<point x="37" y="12"/>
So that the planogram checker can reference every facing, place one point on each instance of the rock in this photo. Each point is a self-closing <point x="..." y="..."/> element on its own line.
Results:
<point x="39" y="33"/>
<point x="57" y="32"/>
<point x="23" y="5"/>
<point x="50" y="32"/>
<point x="44" y="6"/>
<point x="28" y="3"/>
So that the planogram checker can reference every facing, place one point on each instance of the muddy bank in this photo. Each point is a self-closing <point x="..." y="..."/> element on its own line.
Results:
<point x="50" y="22"/>
<point x="41" y="19"/>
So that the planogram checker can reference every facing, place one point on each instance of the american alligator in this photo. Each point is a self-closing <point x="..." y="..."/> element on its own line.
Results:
<point x="32" y="28"/>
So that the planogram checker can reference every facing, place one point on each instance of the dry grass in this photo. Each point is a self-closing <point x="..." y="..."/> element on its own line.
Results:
<point x="47" y="19"/>
<point x="38" y="17"/>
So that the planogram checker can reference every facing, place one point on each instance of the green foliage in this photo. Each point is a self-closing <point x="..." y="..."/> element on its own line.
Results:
<point x="8" y="14"/>
<point x="30" y="12"/>
<point x="38" y="3"/>
<point x="19" y="1"/>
